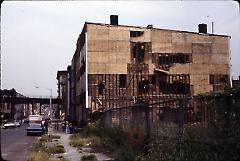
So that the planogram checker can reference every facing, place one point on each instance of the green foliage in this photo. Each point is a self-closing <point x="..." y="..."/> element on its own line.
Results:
<point x="124" y="153"/>
<point x="56" y="149"/>
<point x="90" y="157"/>
<point x="38" y="156"/>
<point x="48" y="138"/>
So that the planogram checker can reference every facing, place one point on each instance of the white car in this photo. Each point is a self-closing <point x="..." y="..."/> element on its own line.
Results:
<point x="9" y="125"/>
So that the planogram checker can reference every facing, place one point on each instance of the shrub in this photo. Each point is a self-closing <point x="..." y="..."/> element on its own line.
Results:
<point x="56" y="149"/>
<point x="38" y="156"/>
<point x="90" y="157"/>
<point x="76" y="143"/>
<point x="47" y="138"/>
<point x="124" y="153"/>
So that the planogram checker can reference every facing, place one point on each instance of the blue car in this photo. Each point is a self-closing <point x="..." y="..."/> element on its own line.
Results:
<point x="35" y="129"/>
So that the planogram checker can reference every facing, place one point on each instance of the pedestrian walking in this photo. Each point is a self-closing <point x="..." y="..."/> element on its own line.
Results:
<point x="46" y="126"/>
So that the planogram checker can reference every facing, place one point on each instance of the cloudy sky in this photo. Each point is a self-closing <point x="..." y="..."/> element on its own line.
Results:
<point x="38" y="38"/>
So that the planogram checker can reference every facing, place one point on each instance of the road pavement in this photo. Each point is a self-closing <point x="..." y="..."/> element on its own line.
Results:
<point x="15" y="144"/>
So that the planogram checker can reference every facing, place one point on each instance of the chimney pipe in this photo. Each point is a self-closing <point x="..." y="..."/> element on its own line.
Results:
<point x="202" y="28"/>
<point x="114" y="19"/>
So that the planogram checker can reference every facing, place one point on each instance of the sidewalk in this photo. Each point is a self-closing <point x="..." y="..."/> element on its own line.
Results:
<point x="71" y="153"/>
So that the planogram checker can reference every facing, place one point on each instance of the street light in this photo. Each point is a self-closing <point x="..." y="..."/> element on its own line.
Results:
<point x="50" y="89"/>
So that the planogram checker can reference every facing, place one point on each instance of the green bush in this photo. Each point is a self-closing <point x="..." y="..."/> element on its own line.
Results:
<point x="38" y="156"/>
<point x="90" y="157"/>
<point x="56" y="149"/>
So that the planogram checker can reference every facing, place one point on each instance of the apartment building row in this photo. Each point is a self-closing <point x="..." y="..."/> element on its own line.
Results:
<point x="119" y="65"/>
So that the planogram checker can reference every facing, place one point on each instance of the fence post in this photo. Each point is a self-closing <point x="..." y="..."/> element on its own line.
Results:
<point x="181" y="121"/>
<point x="145" y="105"/>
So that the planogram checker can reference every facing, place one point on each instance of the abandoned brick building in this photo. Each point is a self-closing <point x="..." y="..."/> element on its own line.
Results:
<point x="118" y="65"/>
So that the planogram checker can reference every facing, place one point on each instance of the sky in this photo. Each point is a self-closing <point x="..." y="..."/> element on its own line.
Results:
<point x="38" y="38"/>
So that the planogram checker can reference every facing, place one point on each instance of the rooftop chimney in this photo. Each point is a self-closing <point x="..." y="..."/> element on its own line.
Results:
<point x="114" y="19"/>
<point x="202" y="28"/>
<point x="150" y="26"/>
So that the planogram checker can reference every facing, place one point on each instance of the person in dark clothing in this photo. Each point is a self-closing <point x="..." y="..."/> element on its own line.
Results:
<point x="46" y="126"/>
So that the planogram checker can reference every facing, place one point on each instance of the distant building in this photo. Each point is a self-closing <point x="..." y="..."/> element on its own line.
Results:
<point x="7" y="109"/>
<point x="236" y="83"/>
<point x="119" y="65"/>
<point x="62" y="77"/>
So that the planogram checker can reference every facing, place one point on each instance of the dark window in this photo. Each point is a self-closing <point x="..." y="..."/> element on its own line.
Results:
<point x="211" y="79"/>
<point x="101" y="87"/>
<point x="218" y="79"/>
<point x="143" y="86"/>
<point x="153" y="79"/>
<point x="122" y="80"/>
<point x="138" y="51"/>
<point x="165" y="59"/>
<point x="136" y="33"/>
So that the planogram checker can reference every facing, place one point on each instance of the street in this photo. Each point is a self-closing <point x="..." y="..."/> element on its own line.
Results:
<point x="15" y="144"/>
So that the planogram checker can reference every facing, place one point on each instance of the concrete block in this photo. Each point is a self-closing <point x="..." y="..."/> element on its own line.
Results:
<point x="198" y="89"/>
<point x="180" y="37"/>
<point x="219" y="69"/>
<point x="162" y="36"/>
<point x="124" y="57"/>
<point x="201" y="38"/>
<point x="220" y="39"/>
<point x="98" y="45"/>
<point x="161" y="47"/>
<point x="119" y="33"/>
<point x="202" y="79"/>
<point x="199" y="69"/>
<point x="119" y="46"/>
<point x="218" y="59"/>
<point x="219" y="48"/>
<point x="182" y="47"/>
<point x="98" y="34"/>
<point x="180" y="69"/>
<point x="201" y="48"/>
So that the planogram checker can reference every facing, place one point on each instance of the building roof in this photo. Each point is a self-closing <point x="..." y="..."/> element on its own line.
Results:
<point x="108" y="25"/>
<point x="61" y="72"/>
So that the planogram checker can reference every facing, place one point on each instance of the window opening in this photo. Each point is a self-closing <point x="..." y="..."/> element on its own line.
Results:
<point x="143" y="86"/>
<point x="166" y="59"/>
<point x="138" y="51"/>
<point x="122" y="80"/>
<point x="101" y="87"/>
<point x="136" y="33"/>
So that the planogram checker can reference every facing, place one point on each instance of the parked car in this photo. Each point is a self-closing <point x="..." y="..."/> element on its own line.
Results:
<point x="35" y="129"/>
<point x="9" y="125"/>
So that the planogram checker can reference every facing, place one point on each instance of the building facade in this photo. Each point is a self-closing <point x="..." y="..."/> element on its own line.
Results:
<point x="62" y="77"/>
<point x="118" y="65"/>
